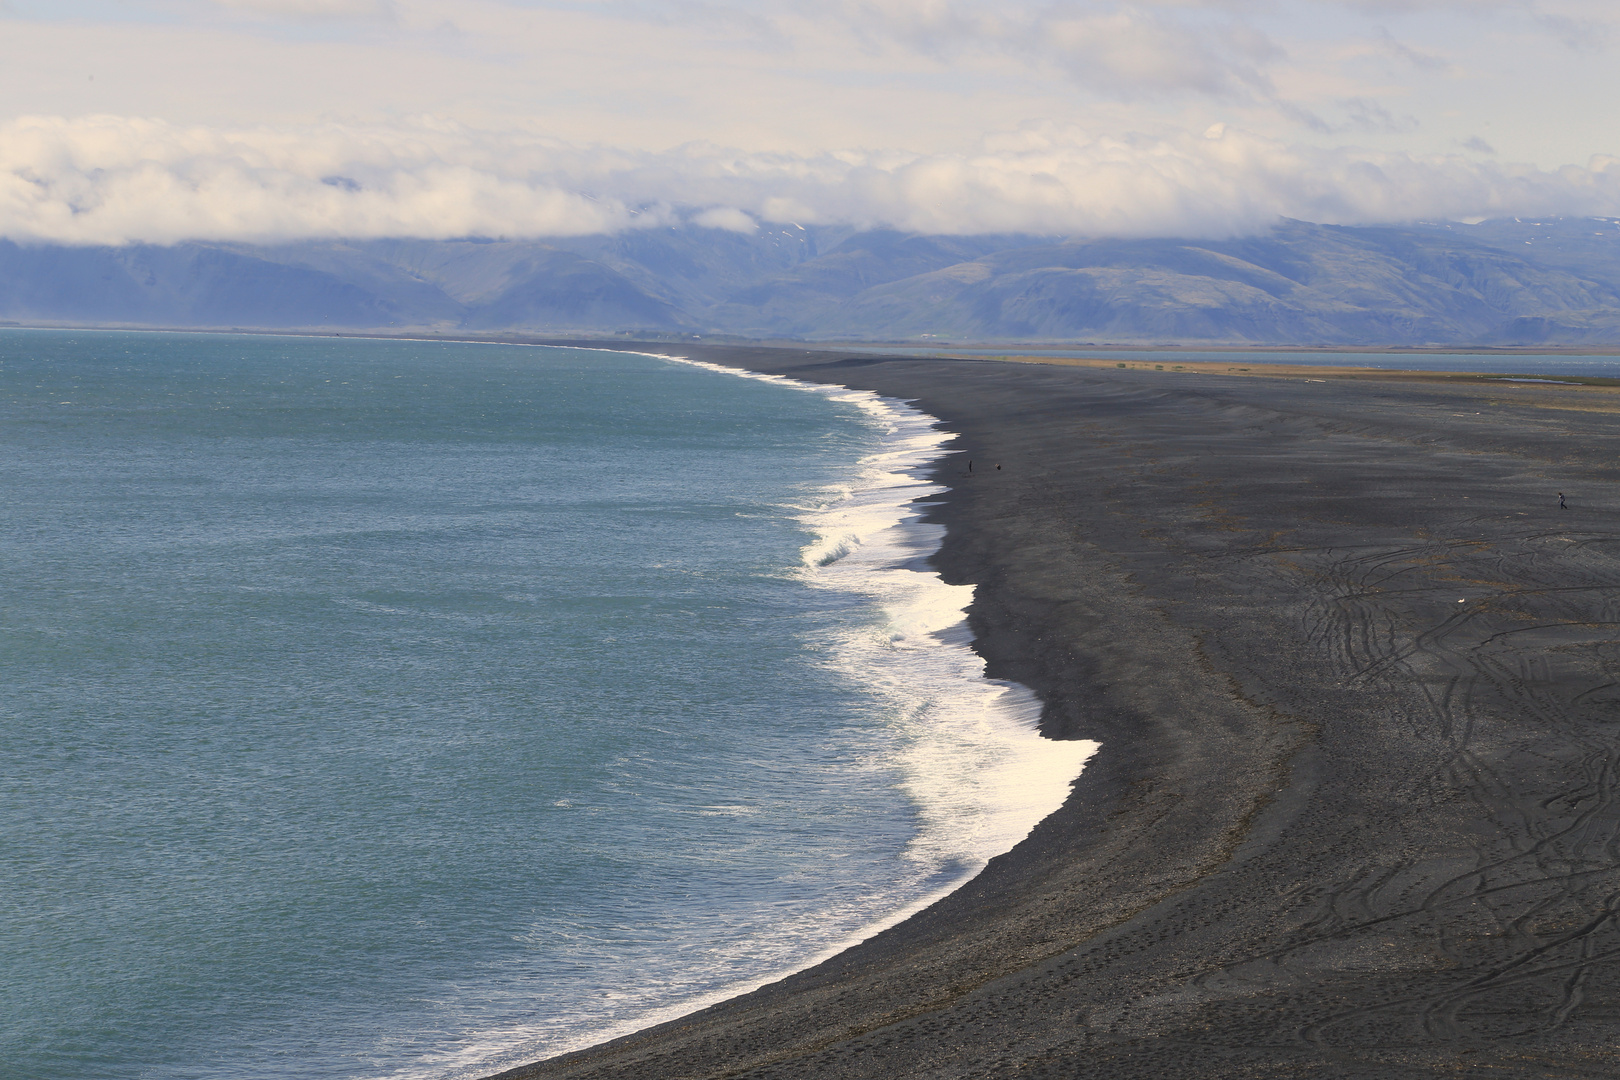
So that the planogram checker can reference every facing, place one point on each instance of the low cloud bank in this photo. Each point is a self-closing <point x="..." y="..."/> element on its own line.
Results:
<point x="114" y="180"/>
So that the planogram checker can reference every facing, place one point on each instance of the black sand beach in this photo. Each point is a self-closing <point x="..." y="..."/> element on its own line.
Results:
<point x="1356" y="678"/>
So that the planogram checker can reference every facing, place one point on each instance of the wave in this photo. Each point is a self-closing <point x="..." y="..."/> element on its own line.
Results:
<point x="969" y="752"/>
<point x="965" y="749"/>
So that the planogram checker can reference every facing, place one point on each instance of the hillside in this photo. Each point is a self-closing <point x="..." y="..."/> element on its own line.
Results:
<point x="1497" y="283"/>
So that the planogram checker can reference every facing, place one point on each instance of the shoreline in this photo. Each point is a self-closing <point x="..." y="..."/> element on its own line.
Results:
<point x="1004" y="715"/>
<point x="927" y="349"/>
<point x="1356" y="671"/>
<point x="968" y="898"/>
<point x="1184" y="912"/>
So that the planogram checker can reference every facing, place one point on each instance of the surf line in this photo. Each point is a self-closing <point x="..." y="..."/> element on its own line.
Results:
<point x="972" y="760"/>
<point x="969" y="756"/>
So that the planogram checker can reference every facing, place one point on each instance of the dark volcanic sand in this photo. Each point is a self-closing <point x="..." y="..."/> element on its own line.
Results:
<point x="1341" y="824"/>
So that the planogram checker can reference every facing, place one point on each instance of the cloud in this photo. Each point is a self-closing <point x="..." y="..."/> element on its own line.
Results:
<point x="108" y="179"/>
<point x="728" y="218"/>
<point x="806" y="76"/>
<point x="1364" y="115"/>
<point x="1405" y="53"/>
<point x="111" y="180"/>
<point x="309" y="9"/>
<point x="1121" y="52"/>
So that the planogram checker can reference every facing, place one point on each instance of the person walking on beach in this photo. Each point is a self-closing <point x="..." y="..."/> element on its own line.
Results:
<point x="1562" y="505"/>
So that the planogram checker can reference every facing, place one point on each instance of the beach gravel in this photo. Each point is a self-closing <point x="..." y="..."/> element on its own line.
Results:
<point x="1356" y="678"/>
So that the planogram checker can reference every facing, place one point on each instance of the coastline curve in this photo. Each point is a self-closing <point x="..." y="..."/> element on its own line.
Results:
<point x="1057" y="613"/>
<point x="970" y="757"/>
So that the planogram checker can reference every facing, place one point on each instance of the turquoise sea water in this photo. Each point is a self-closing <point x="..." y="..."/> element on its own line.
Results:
<point x="413" y="709"/>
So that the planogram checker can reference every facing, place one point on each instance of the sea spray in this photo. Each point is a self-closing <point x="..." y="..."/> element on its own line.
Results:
<point x="971" y="756"/>
<point x="965" y="750"/>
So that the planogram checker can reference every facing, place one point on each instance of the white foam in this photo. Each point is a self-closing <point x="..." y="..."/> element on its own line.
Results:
<point x="973" y="762"/>
<point x="966" y="748"/>
<point x="971" y="757"/>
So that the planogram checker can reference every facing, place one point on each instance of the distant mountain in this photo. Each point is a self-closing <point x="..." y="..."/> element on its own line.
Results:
<point x="1506" y="282"/>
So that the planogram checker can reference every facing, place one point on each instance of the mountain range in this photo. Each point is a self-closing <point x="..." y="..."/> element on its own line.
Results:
<point x="1501" y="282"/>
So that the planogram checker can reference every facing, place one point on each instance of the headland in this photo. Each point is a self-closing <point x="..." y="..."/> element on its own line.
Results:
<point x="1356" y="677"/>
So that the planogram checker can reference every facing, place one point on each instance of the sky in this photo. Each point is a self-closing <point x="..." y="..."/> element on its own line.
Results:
<point x="266" y="120"/>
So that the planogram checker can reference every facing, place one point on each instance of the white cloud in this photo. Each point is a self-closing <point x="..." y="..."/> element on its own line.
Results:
<point x="1120" y="52"/>
<point x="109" y="179"/>
<point x="728" y="218"/>
<point x="309" y="9"/>
<point x="807" y="76"/>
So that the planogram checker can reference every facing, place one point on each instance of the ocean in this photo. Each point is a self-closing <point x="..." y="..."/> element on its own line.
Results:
<point x="393" y="709"/>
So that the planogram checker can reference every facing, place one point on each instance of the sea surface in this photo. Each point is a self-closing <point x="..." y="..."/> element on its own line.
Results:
<point x="413" y="709"/>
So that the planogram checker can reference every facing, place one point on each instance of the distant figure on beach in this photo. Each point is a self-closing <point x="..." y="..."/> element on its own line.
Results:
<point x="1562" y="505"/>
<point x="970" y="465"/>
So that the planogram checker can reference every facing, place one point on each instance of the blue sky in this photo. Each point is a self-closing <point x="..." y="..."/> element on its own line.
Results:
<point x="268" y="119"/>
